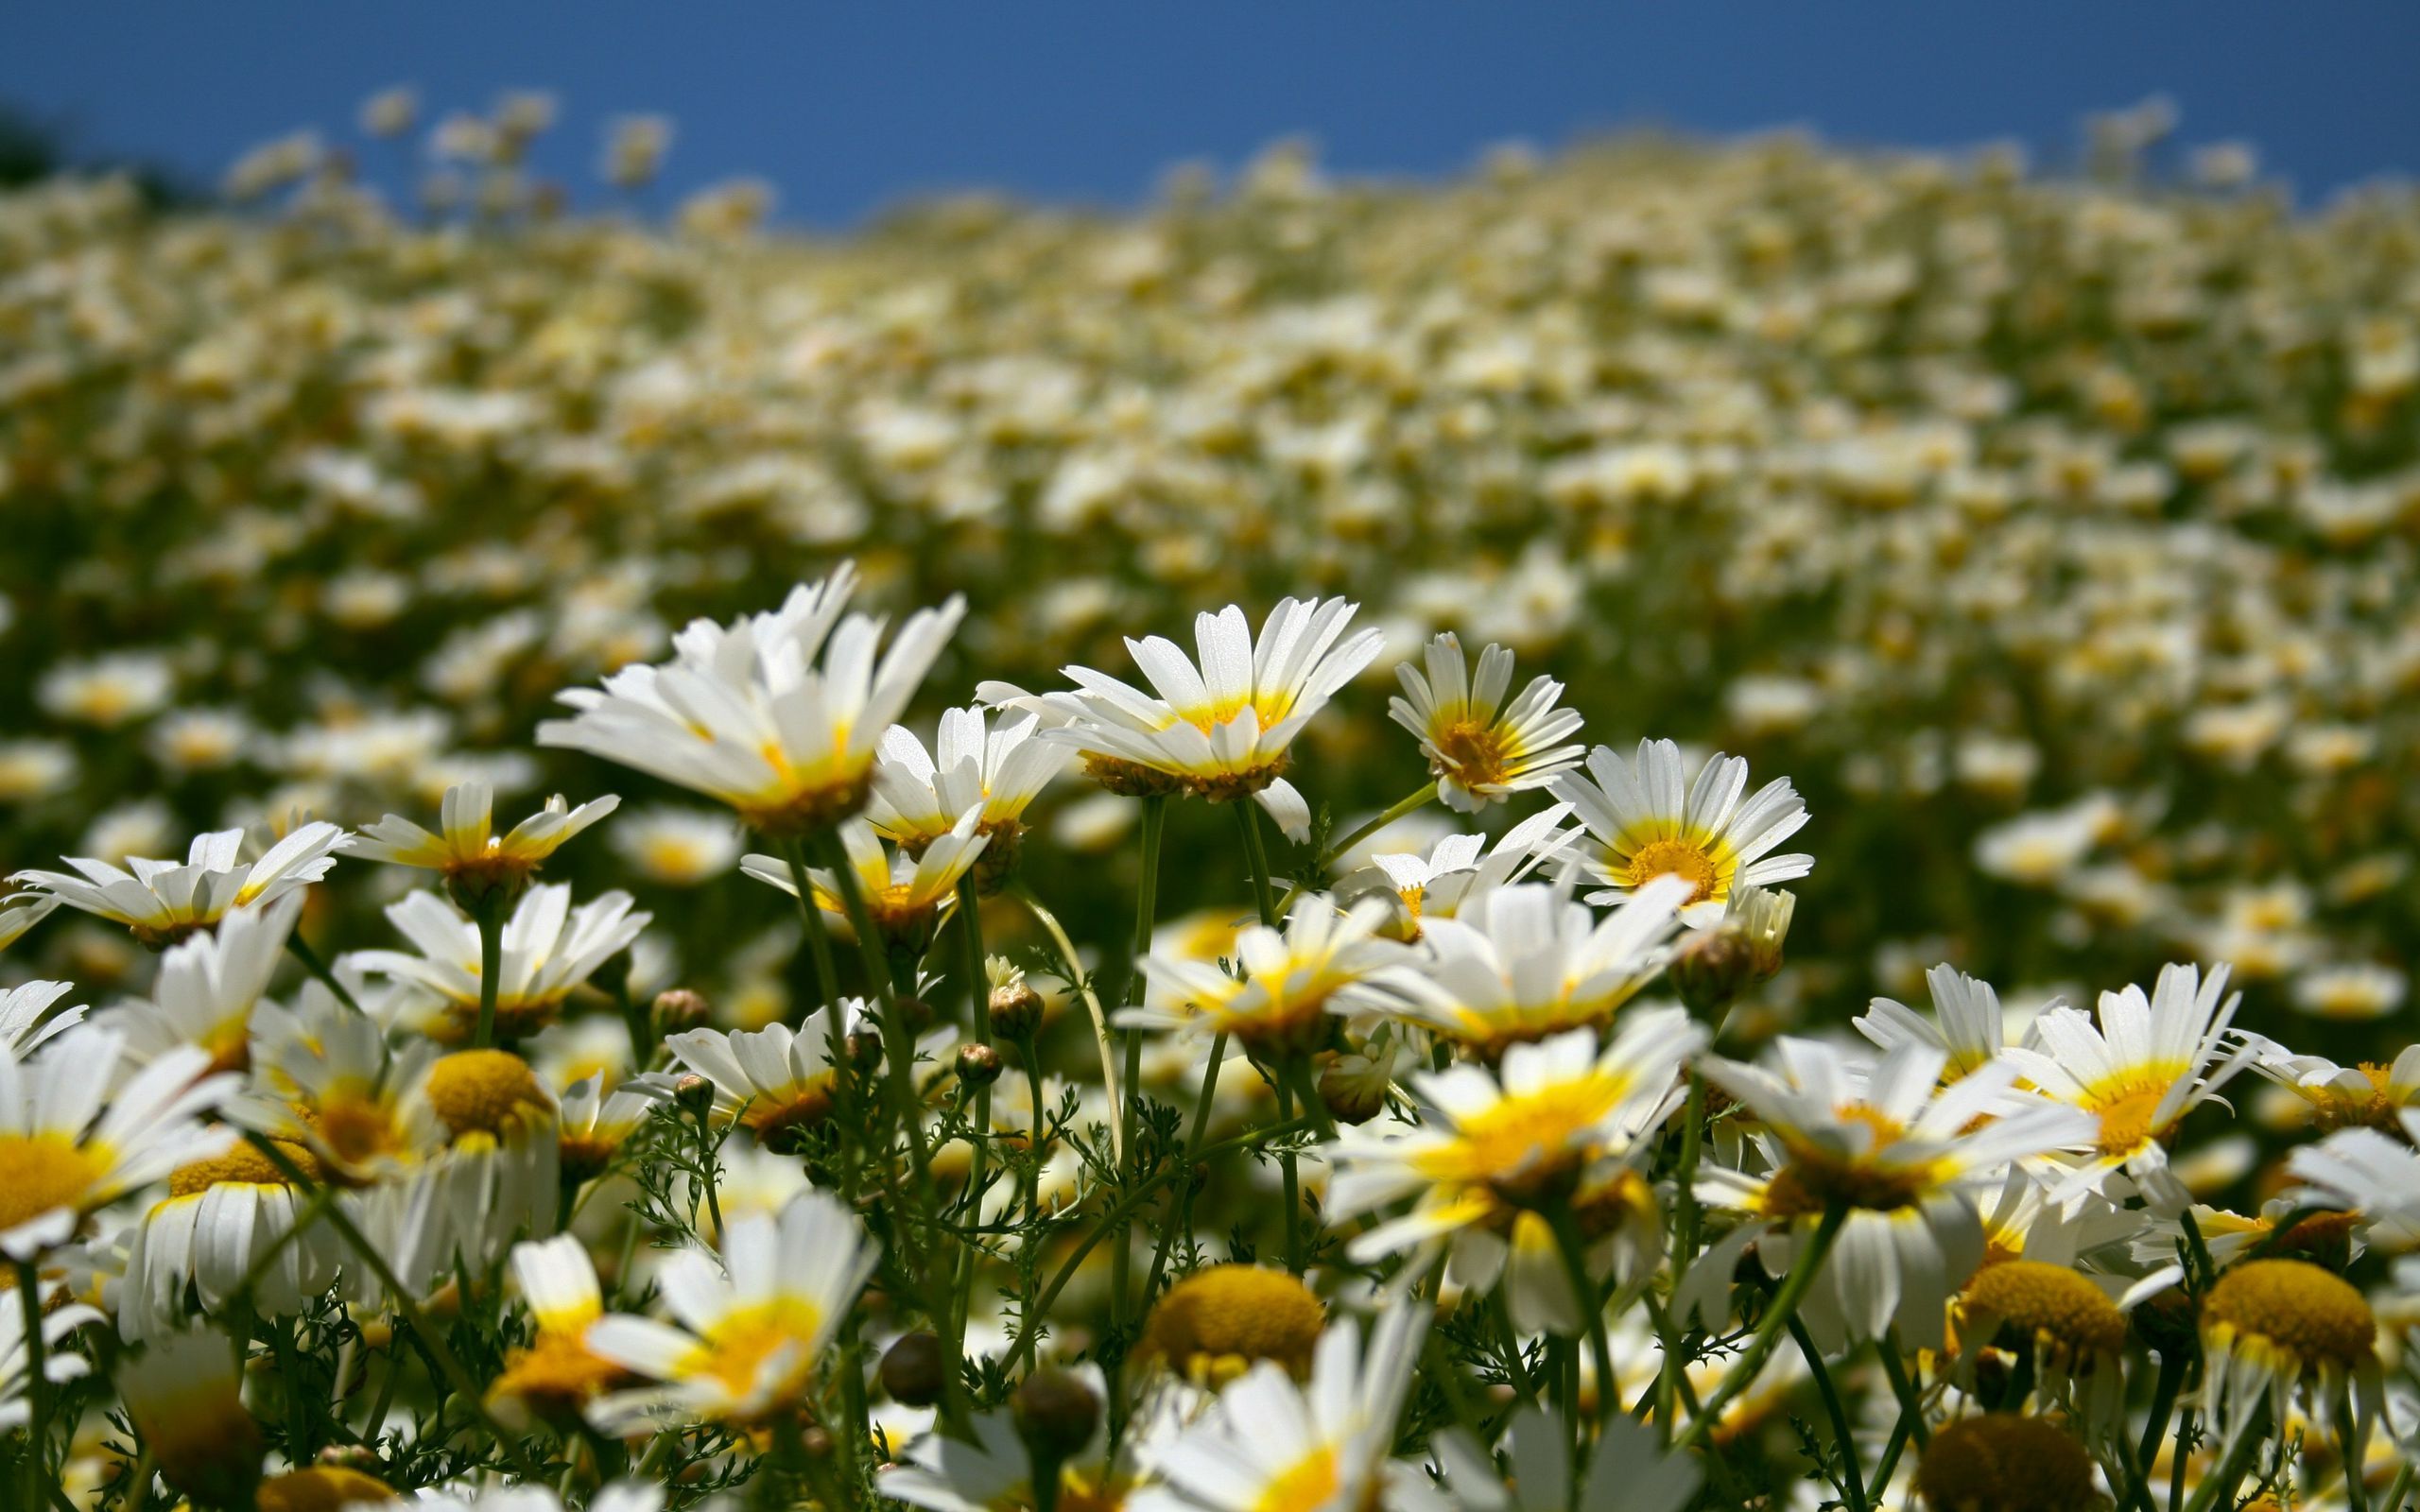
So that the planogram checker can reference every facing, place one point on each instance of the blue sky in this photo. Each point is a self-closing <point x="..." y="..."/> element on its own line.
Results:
<point x="846" y="106"/>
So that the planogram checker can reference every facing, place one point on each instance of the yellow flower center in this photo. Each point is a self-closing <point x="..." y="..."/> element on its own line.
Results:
<point x="1473" y="754"/>
<point x="2047" y="1302"/>
<point x="240" y="1164"/>
<point x="803" y="1105"/>
<point x="2373" y="1108"/>
<point x="2310" y="1315"/>
<point x="1523" y="1142"/>
<point x="39" y="1172"/>
<point x="483" y="1092"/>
<point x="554" y="1374"/>
<point x="323" y="1489"/>
<point x="736" y="1349"/>
<point x="1816" y="1177"/>
<point x="2003" y="1463"/>
<point x="354" y="1128"/>
<point x="2126" y="1112"/>
<point x="1307" y="1484"/>
<point x="1674" y="857"/>
<point x="1212" y="1325"/>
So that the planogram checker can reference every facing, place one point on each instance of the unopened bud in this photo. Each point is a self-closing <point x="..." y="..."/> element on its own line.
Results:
<point x="816" y="1443"/>
<point x="1709" y="969"/>
<point x="1015" y="1010"/>
<point x="865" y="1049"/>
<point x="915" y="1013"/>
<point x="978" y="1065"/>
<point x="1055" y="1413"/>
<point x="678" y="1008"/>
<point x="914" y="1370"/>
<point x="1352" y="1085"/>
<point x="693" y="1091"/>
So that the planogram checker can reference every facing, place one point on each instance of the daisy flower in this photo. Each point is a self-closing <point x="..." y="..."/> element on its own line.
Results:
<point x="920" y="797"/>
<point x="996" y="1473"/>
<point x="162" y="901"/>
<point x="185" y="1397"/>
<point x="2368" y="1094"/>
<point x="1555" y="1118"/>
<point x="23" y="1027"/>
<point x="1901" y="1156"/>
<point x="2146" y="1063"/>
<point x="549" y="949"/>
<point x="555" y="1375"/>
<point x="2363" y="1172"/>
<point x="1221" y="1321"/>
<point x="326" y="1078"/>
<point x="1966" y="1025"/>
<point x="1269" y="1445"/>
<point x="2275" y="1331"/>
<point x="1221" y="731"/>
<point x="223" y="1215"/>
<point x="73" y="1137"/>
<point x="905" y="892"/>
<point x="774" y="715"/>
<point x="21" y="913"/>
<point x="476" y="862"/>
<point x="59" y="1319"/>
<point x="498" y="1176"/>
<point x="1646" y="825"/>
<point x="750" y="1330"/>
<point x="677" y="847"/>
<point x="596" y="1124"/>
<point x="775" y="1080"/>
<point x="1292" y="980"/>
<point x="208" y="986"/>
<point x="1482" y="751"/>
<point x="1525" y="962"/>
<point x="1459" y="867"/>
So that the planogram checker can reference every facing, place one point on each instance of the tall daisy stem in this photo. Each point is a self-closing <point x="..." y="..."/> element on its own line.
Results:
<point x="39" y="1484"/>
<point x="1067" y="949"/>
<point x="979" y="1018"/>
<point x="1121" y="1259"/>
<point x="1769" y="1329"/>
<point x="1855" y="1481"/>
<point x="1583" y="1297"/>
<point x="490" y="917"/>
<point x="1186" y="1159"/>
<point x="819" y="937"/>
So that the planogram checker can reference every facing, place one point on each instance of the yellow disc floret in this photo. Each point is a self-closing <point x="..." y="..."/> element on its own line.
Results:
<point x="483" y="1092"/>
<point x="2004" y="1463"/>
<point x="39" y="1172"/>
<point x="324" y="1489"/>
<point x="2044" y="1302"/>
<point x="1212" y="1325"/>
<point x="2295" y="1308"/>
<point x="241" y="1164"/>
<point x="1684" y="859"/>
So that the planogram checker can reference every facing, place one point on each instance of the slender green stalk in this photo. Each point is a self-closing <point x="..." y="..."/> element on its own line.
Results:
<point x="1256" y="857"/>
<point x="40" y="1485"/>
<point x="1894" y="1366"/>
<point x="1101" y="1042"/>
<point x="1778" y="1313"/>
<point x="979" y="1017"/>
<point x="1854" y="1486"/>
<point x="2218" y="1487"/>
<point x="1186" y="1159"/>
<point x="2172" y="1375"/>
<point x="490" y="917"/>
<point x="301" y="951"/>
<point x="1583" y="1297"/>
<point x="456" y="1379"/>
<point x="2357" y="1494"/>
<point x="1122" y="1260"/>
<point x="1292" y="1181"/>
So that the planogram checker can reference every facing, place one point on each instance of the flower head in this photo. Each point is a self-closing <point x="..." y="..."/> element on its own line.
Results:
<point x="919" y="796"/>
<point x="162" y="901"/>
<point x="549" y="949"/>
<point x="1649" y="825"/>
<point x="905" y="891"/>
<point x="1481" y="750"/>
<point x="477" y="863"/>
<point x="775" y="715"/>
<point x="1291" y="981"/>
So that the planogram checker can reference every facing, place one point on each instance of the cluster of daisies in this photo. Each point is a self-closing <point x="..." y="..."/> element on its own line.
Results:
<point x="1422" y="1180"/>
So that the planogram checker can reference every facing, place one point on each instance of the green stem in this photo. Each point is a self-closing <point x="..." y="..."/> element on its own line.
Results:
<point x="819" y="936"/>
<point x="1583" y="1297"/>
<point x="490" y="919"/>
<point x="1412" y="803"/>
<point x="1855" y="1489"/>
<point x="2218" y="1487"/>
<point x="979" y="1017"/>
<point x="1904" y="1388"/>
<point x="1067" y="949"/>
<point x="1292" y="1181"/>
<point x="1187" y="1159"/>
<point x="456" y="1379"/>
<point x="40" y="1485"/>
<point x="1684" y="1245"/>
<point x="302" y="952"/>
<point x="2172" y="1375"/>
<point x="1769" y="1328"/>
<point x="1256" y="857"/>
<point x="1122" y="1260"/>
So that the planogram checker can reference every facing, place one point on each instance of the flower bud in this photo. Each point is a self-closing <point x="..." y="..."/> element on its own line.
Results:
<point x="978" y="1065"/>
<point x="1055" y="1415"/>
<point x="678" y="1008"/>
<point x="1015" y="1008"/>
<point x="693" y="1091"/>
<point x="914" y="1370"/>
<point x="1709" y="969"/>
<point x="915" y="1013"/>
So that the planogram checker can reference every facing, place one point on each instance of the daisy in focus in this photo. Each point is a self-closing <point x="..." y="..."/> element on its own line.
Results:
<point x="2137" y="1072"/>
<point x="920" y="797"/>
<point x="1459" y="866"/>
<point x="162" y="901"/>
<point x="548" y="949"/>
<point x="1481" y="750"/>
<point x="1292" y="981"/>
<point x="1966" y="1026"/>
<point x="750" y="1330"/>
<point x="775" y="715"/>
<point x="905" y="891"/>
<point x="1221" y="731"/>
<point x="1647" y="824"/>
<point x="476" y="862"/>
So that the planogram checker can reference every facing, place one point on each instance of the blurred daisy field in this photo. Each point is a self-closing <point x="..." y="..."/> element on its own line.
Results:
<point x="1679" y="825"/>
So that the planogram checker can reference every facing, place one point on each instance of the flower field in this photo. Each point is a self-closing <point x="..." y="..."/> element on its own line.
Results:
<point x="1676" y="827"/>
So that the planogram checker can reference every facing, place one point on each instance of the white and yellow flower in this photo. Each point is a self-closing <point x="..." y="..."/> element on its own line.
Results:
<point x="59" y="1318"/>
<point x="905" y="891"/>
<point x="25" y="1020"/>
<point x="549" y="949"/>
<point x="162" y="901"/>
<point x="1554" y="1123"/>
<point x="475" y="861"/>
<point x="1291" y="981"/>
<point x="777" y="1079"/>
<point x="2277" y="1331"/>
<point x="1900" y="1157"/>
<point x="775" y="715"/>
<point x="499" y="1173"/>
<point x="222" y="1216"/>
<point x="920" y="797"/>
<point x="1527" y="962"/>
<point x="555" y="1375"/>
<point x="75" y="1137"/>
<point x="1221" y="730"/>
<point x="1966" y="1025"/>
<point x="1481" y="750"/>
<point x="674" y="847"/>
<point x="1647" y="824"/>
<point x="208" y="987"/>
<point x="751" y="1331"/>
<point x="995" y="1472"/>
<point x="1459" y="867"/>
<point x="2137" y="1072"/>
